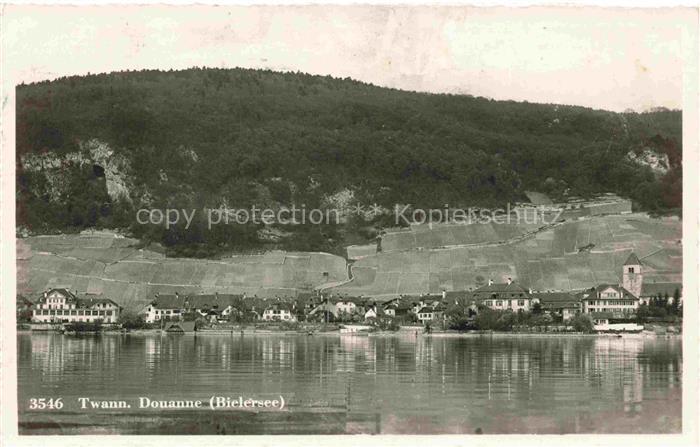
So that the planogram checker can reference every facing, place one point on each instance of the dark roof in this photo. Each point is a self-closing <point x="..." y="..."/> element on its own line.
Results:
<point x="632" y="259"/>
<point x="83" y="301"/>
<point x="379" y="310"/>
<point x="404" y="305"/>
<point x="626" y="294"/>
<point x="457" y="294"/>
<point x="220" y="301"/>
<point x="663" y="288"/>
<point x="551" y="297"/>
<point x="592" y="293"/>
<point x="91" y="301"/>
<point x="256" y="304"/>
<point x="438" y="308"/>
<point x="62" y="291"/>
<point x="558" y="300"/>
<point x="357" y="300"/>
<point x="280" y="306"/>
<point x="497" y="288"/>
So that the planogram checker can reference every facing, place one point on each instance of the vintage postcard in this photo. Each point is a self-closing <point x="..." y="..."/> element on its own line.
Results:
<point x="349" y="220"/>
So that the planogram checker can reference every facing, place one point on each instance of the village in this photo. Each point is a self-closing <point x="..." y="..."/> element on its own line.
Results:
<point x="497" y="306"/>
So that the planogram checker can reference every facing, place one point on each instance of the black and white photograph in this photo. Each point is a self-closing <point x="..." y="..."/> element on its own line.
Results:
<point x="349" y="220"/>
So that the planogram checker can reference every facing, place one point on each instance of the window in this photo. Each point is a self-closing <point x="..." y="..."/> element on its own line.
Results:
<point x="521" y="302"/>
<point x="498" y="303"/>
<point x="630" y="270"/>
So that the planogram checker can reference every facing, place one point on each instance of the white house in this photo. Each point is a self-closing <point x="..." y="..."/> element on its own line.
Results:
<point x="174" y="307"/>
<point x="340" y="305"/>
<point x="279" y="312"/>
<point x="375" y="311"/>
<point x="349" y="305"/>
<point x="611" y="299"/>
<point x="503" y="296"/>
<point x="430" y="313"/>
<point x="601" y="323"/>
<point x="62" y="306"/>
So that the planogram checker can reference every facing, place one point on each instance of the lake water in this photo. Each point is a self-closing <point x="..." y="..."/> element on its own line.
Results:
<point x="402" y="384"/>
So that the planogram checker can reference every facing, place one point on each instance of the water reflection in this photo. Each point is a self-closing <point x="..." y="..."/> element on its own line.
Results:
<point x="396" y="384"/>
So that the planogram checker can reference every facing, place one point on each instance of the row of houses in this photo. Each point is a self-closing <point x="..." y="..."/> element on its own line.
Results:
<point x="603" y="302"/>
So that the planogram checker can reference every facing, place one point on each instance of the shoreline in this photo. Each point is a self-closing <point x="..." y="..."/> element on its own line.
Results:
<point x="404" y="333"/>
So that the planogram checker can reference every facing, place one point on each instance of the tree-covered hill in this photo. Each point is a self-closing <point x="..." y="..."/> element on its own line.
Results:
<point x="238" y="137"/>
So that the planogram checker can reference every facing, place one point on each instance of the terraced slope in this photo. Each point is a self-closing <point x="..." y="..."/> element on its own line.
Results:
<point x="112" y="266"/>
<point x="442" y="235"/>
<point x="572" y="255"/>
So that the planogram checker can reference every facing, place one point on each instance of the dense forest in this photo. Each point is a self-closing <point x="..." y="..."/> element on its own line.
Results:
<point x="237" y="137"/>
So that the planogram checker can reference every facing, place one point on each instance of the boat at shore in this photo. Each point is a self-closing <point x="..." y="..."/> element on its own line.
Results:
<point x="355" y="329"/>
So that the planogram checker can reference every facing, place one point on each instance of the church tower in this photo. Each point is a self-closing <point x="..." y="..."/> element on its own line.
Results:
<point x="632" y="275"/>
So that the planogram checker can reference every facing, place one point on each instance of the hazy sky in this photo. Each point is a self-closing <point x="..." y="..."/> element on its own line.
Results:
<point x="604" y="58"/>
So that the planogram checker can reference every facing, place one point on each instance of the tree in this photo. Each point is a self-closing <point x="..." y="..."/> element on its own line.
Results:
<point x="25" y="315"/>
<point x="129" y="320"/>
<point x="486" y="319"/>
<point x="286" y="128"/>
<point x="537" y="308"/>
<point x="505" y="321"/>
<point x="582" y="323"/>
<point x="643" y="313"/>
<point x="458" y="318"/>
<point x="676" y="303"/>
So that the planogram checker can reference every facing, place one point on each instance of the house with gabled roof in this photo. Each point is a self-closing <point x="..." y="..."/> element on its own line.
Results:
<point x="338" y="306"/>
<point x="212" y="306"/>
<point x="431" y="313"/>
<point x="565" y="305"/>
<point x="63" y="306"/>
<point x="503" y="296"/>
<point x="279" y="311"/>
<point x="609" y="298"/>
<point x="374" y="310"/>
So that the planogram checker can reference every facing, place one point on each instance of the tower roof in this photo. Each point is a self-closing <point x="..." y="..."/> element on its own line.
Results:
<point x="633" y="260"/>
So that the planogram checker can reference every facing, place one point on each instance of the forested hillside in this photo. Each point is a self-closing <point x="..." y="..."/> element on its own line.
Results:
<point x="91" y="150"/>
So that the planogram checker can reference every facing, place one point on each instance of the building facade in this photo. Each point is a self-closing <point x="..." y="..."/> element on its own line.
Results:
<point x="429" y="313"/>
<point x="609" y="299"/>
<point x="503" y="296"/>
<point x="562" y="304"/>
<point x="62" y="306"/>
<point x="174" y="307"/>
<point x="279" y="312"/>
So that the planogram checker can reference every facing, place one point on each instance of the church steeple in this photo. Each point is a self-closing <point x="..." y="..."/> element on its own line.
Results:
<point x="632" y="259"/>
<point x="632" y="275"/>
